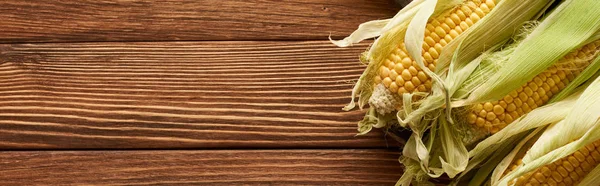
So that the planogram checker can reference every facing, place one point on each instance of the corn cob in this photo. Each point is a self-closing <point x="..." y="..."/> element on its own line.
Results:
<point x="400" y="74"/>
<point x="566" y="171"/>
<point x="494" y="116"/>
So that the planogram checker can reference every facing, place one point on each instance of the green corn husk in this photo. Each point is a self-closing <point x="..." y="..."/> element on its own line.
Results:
<point x="542" y="48"/>
<point x="458" y="60"/>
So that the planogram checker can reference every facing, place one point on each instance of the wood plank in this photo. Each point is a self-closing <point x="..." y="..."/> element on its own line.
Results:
<point x="217" y="167"/>
<point x="168" y="20"/>
<point x="179" y="95"/>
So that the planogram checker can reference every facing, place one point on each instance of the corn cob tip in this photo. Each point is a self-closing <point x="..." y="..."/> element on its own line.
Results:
<point x="383" y="100"/>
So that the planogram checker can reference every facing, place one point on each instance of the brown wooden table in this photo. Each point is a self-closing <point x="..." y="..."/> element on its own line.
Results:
<point x="218" y="92"/>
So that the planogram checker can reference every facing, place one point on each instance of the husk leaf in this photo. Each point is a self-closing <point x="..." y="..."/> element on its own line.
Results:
<point x="365" y="30"/>
<point x="492" y="29"/>
<point x="376" y="28"/>
<point x="593" y="177"/>
<point x="581" y="124"/>
<point x="455" y="153"/>
<point x="416" y="148"/>
<point x="542" y="116"/>
<point x="589" y="137"/>
<point x="492" y="61"/>
<point x="377" y="54"/>
<point x="576" y="19"/>
<point x="485" y="171"/>
<point x="537" y="119"/>
<point x="584" y="76"/>
<point x="461" y="56"/>
<point x="390" y="35"/>
<point x="415" y="36"/>
<point x="581" y="118"/>
<point x="521" y="146"/>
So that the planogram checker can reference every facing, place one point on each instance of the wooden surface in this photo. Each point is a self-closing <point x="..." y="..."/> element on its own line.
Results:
<point x="121" y="92"/>
<point x="221" y="167"/>
<point x="167" y="20"/>
<point x="180" y="95"/>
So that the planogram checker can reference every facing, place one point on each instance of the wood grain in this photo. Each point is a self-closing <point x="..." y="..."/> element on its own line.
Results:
<point x="180" y="95"/>
<point x="167" y="20"/>
<point x="221" y="167"/>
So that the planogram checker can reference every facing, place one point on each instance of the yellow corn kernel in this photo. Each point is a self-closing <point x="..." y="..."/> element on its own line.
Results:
<point x="535" y="93"/>
<point x="439" y="32"/>
<point x="567" y="171"/>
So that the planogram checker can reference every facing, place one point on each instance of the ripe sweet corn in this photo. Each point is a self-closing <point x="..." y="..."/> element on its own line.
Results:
<point x="494" y="116"/>
<point x="448" y="123"/>
<point x="400" y="74"/>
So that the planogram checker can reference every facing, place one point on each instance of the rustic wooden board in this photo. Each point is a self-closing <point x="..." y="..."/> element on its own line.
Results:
<point x="209" y="167"/>
<point x="167" y="20"/>
<point x="180" y="95"/>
